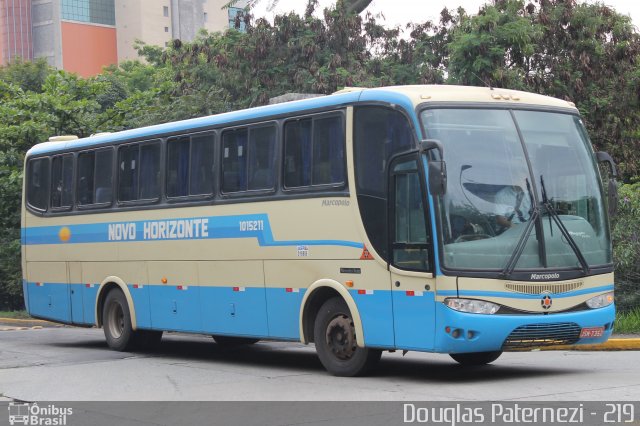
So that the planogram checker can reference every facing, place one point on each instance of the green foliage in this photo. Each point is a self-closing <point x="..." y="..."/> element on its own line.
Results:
<point x="626" y="238"/>
<point x="586" y="53"/>
<point x="627" y="322"/>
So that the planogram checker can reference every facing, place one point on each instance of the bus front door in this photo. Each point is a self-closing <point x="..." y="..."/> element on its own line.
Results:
<point x="412" y="281"/>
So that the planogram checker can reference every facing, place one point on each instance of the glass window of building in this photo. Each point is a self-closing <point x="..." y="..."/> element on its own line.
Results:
<point x="93" y="11"/>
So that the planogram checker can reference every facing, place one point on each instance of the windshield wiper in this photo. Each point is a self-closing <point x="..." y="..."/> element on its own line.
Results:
<point x="524" y="237"/>
<point x="553" y="214"/>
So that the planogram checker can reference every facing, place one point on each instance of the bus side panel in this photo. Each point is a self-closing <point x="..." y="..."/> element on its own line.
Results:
<point x="285" y="284"/>
<point x="174" y="296"/>
<point x="48" y="289"/>
<point x="233" y="300"/>
<point x="376" y="316"/>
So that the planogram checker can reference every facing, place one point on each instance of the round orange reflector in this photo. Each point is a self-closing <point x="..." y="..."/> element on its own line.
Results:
<point x="164" y="280"/>
<point x="349" y="283"/>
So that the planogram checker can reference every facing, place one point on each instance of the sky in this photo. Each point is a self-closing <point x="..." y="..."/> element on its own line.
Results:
<point x="400" y="12"/>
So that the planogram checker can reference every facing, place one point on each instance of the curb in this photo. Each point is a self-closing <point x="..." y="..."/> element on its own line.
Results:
<point x="628" y="344"/>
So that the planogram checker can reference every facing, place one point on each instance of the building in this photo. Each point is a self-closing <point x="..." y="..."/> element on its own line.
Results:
<point x="15" y="30"/>
<point x="83" y="36"/>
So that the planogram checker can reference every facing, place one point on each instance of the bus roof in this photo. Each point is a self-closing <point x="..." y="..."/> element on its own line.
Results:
<point x="406" y="96"/>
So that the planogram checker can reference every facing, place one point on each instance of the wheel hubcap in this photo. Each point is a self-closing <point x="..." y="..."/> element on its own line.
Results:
<point x="341" y="337"/>
<point x="115" y="320"/>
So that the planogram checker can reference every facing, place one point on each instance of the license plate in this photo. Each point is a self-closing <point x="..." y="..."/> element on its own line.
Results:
<point x="591" y="332"/>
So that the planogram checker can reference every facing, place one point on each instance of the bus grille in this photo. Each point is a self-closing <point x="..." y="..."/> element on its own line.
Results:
<point x="534" y="288"/>
<point x="536" y="335"/>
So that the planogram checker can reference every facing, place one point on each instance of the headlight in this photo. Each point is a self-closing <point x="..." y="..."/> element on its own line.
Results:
<point x="472" y="306"/>
<point x="600" y="301"/>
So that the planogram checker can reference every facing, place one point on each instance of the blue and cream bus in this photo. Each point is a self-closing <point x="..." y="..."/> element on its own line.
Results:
<point x="459" y="220"/>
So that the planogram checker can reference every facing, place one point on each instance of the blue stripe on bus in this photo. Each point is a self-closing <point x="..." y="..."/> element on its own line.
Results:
<point x="217" y="227"/>
<point x="274" y="313"/>
<point x="509" y="295"/>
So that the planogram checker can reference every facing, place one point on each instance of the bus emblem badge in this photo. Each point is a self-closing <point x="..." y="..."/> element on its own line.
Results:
<point x="546" y="301"/>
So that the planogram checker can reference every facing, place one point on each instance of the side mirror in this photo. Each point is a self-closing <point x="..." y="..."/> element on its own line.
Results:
<point x="612" y="189"/>
<point x="437" y="168"/>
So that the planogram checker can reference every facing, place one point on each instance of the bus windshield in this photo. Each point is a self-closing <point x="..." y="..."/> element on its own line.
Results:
<point x="522" y="193"/>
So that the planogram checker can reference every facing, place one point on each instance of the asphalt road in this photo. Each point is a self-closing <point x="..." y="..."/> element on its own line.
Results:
<point x="73" y="364"/>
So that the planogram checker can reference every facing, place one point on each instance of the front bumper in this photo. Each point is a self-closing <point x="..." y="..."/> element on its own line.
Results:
<point x="483" y="333"/>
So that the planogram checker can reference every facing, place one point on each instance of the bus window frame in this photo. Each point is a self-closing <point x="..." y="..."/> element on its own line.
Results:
<point x="70" y="207"/>
<point x="160" y="141"/>
<point x="27" y="204"/>
<point x="215" y="133"/>
<point x="114" y="163"/>
<point x="278" y="126"/>
<point x="321" y="187"/>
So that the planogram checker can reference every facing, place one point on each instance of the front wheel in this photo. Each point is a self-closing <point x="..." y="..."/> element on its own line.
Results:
<point x="117" y="322"/>
<point x="335" y="339"/>
<point x="476" y="358"/>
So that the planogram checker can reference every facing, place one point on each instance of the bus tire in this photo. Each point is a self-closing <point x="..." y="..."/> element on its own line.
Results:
<point x="476" y="358"/>
<point x="116" y="322"/>
<point x="230" y="341"/>
<point x="335" y="339"/>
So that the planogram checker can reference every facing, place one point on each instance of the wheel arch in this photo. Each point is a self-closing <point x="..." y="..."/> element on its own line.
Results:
<point x="106" y="286"/>
<point x="318" y="293"/>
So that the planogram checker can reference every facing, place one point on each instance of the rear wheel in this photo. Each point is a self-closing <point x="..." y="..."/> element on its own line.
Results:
<point x="230" y="341"/>
<point x="116" y="321"/>
<point x="335" y="340"/>
<point x="476" y="358"/>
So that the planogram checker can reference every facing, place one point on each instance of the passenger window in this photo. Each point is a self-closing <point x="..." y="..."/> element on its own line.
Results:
<point x="62" y="181"/>
<point x="297" y="153"/>
<point x="262" y="158"/>
<point x="201" y="181"/>
<point x="314" y="152"/>
<point x="150" y="171"/>
<point x="94" y="177"/>
<point x="139" y="172"/>
<point x="38" y="183"/>
<point x="248" y="157"/>
<point x="128" y="173"/>
<point x="190" y="166"/>
<point x="178" y="167"/>
<point x="234" y="160"/>
<point x="328" y="151"/>
<point x="104" y="176"/>
<point x="86" y="167"/>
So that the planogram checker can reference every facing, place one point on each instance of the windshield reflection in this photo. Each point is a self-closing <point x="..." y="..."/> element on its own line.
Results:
<point x="493" y="191"/>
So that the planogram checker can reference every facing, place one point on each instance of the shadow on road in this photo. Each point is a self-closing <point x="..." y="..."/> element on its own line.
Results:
<point x="283" y="357"/>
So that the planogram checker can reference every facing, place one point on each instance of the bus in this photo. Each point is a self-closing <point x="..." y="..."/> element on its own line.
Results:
<point x="460" y="220"/>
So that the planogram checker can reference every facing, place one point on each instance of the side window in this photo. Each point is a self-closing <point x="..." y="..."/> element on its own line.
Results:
<point x="149" y="171"/>
<point x="139" y="172"/>
<point x="297" y="153"/>
<point x="234" y="160"/>
<point x="62" y="181"/>
<point x="379" y="133"/>
<point x="410" y="249"/>
<point x="95" y="177"/>
<point x="248" y="158"/>
<point x="38" y="183"/>
<point x="201" y="172"/>
<point x="128" y="165"/>
<point x="190" y="165"/>
<point x="262" y="146"/>
<point x="178" y="167"/>
<point x="314" y="152"/>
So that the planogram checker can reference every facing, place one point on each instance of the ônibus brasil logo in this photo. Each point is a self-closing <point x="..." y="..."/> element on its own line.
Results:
<point x="24" y="413"/>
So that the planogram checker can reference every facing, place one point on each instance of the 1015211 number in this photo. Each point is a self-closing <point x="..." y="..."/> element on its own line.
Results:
<point x="619" y="413"/>
<point x="251" y="225"/>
